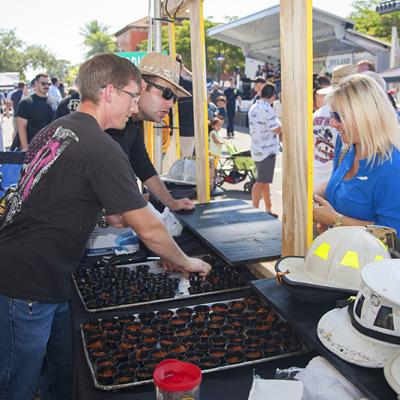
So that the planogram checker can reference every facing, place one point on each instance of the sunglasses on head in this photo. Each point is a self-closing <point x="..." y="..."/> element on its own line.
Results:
<point x="166" y="92"/>
<point x="335" y="115"/>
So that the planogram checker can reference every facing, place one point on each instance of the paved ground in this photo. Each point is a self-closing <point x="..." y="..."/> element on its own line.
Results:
<point x="241" y="141"/>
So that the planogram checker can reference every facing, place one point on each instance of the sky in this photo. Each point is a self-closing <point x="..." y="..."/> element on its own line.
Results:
<point x="56" y="24"/>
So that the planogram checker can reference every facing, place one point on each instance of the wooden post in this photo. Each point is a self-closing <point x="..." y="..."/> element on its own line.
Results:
<point x="173" y="152"/>
<point x="175" y="112"/>
<point x="200" y="100"/>
<point x="296" y="73"/>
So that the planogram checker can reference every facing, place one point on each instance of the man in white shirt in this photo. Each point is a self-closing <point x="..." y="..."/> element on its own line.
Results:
<point x="264" y="130"/>
<point x="54" y="94"/>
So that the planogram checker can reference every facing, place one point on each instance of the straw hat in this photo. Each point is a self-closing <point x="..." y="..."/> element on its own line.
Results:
<point x="164" y="67"/>
<point x="338" y="73"/>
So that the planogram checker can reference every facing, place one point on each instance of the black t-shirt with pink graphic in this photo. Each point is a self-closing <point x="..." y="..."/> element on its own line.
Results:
<point x="72" y="170"/>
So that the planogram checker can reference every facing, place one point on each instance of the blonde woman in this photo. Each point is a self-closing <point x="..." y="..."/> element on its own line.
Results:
<point x="364" y="188"/>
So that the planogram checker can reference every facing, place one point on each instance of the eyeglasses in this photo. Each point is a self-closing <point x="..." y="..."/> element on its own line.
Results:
<point x="45" y="83"/>
<point x="335" y="115"/>
<point x="134" y="96"/>
<point x="166" y="92"/>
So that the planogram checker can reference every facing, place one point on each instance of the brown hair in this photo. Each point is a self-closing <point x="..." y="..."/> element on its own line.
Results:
<point x="370" y="64"/>
<point x="102" y="70"/>
<point x="214" y="121"/>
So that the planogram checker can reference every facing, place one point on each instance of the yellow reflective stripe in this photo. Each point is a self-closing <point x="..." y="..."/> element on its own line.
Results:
<point x="378" y="257"/>
<point x="383" y="244"/>
<point x="323" y="250"/>
<point x="350" y="259"/>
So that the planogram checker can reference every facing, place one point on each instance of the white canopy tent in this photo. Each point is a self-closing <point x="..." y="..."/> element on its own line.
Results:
<point x="259" y="36"/>
<point x="6" y="82"/>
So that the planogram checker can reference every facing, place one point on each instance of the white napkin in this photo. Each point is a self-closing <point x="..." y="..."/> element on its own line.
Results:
<point x="274" y="389"/>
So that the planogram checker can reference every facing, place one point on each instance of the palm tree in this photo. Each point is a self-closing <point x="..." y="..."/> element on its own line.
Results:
<point x="97" y="38"/>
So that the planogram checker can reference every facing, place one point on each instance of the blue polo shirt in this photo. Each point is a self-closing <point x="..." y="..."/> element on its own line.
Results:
<point x="373" y="194"/>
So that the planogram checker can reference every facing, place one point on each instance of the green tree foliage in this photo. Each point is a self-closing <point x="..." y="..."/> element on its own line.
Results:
<point x="15" y="56"/>
<point x="11" y="52"/>
<point x="39" y="57"/>
<point x="368" y="21"/>
<point x="71" y="75"/>
<point x="233" y="55"/>
<point x="97" y="38"/>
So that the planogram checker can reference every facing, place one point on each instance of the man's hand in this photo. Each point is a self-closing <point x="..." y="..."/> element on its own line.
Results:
<point x="116" y="221"/>
<point x="194" y="265"/>
<point x="181" y="204"/>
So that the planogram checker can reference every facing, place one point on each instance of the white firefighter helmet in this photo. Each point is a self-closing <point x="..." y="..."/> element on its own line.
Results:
<point x="334" y="260"/>
<point x="368" y="332"/>
<point x="182" y="171"/>
<point x="392" y="372"/>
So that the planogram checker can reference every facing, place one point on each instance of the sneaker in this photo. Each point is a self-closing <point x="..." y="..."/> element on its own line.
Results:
<point x="217" y="191"/>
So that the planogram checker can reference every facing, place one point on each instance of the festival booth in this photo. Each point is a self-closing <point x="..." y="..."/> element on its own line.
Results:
<point x="128" y="315"/>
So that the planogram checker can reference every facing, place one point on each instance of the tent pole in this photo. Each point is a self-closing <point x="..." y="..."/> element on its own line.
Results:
<point x="296" y="68"/>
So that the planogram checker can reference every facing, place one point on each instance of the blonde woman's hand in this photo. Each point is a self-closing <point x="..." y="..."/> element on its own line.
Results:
<point x="323" y="212"/>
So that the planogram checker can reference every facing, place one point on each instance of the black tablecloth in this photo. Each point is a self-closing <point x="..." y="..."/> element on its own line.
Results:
<point x="238" y="232"/>
<point x="304" y="318"/>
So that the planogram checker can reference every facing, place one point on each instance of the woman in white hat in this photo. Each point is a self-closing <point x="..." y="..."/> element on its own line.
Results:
<point x="363" y="189"/>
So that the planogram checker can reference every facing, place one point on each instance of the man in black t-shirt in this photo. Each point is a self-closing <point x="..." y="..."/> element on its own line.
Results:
<point x="72" y="171"/>
<point x="68" y="104"/>
<point x="232" y="94"/>
<point x="34" y="113"/>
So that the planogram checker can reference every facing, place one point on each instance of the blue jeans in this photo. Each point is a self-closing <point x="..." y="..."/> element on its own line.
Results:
<point x="34" y="335"/>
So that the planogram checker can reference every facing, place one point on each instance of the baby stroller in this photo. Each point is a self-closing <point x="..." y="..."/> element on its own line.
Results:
<point x="236" y="168"/>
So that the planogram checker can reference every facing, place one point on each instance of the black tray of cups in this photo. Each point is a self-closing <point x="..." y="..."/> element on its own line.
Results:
<point x="103" y="287"/>
<point x="123" y="351"/>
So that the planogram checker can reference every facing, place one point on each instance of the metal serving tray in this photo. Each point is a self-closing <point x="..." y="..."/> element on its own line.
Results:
<point x="116" y="387"/>
<point x="181" y="293"/>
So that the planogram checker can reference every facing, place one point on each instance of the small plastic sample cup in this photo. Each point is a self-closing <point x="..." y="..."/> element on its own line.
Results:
<point x="177" y="380"/>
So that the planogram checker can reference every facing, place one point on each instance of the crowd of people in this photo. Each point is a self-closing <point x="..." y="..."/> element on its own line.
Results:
<point x="31" y="106"/>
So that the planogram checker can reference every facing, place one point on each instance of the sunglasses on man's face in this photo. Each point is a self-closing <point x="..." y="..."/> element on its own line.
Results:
<point x="166" y="92"/>
<point x="45" y="83"/>
<point x="335" y="115"/>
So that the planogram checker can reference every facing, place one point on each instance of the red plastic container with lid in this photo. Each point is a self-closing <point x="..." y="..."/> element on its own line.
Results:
<point x="177" y="380"/>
